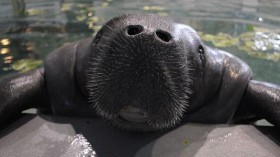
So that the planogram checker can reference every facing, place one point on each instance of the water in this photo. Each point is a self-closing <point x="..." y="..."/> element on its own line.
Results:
<point x="74" y="146"/>
<point x="30" y="29"/>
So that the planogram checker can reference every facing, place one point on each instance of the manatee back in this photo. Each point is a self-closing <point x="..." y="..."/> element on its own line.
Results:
<point x="224" y="82"/>
<point x="64" y="91"/>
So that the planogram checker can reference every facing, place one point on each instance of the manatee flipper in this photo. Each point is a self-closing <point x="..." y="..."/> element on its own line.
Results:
<point x="19" y="92"/>
<point x="264" y="100"/>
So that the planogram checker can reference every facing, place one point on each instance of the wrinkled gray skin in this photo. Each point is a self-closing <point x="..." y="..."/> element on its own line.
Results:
<point x="142" y="73"/>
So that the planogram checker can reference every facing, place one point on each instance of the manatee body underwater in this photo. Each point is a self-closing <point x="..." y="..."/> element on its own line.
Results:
<point x="142" y="73"/>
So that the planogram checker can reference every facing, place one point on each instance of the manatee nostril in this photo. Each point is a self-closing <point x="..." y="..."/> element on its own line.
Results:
<point x="134" y="29"/>
<point x="164" y="36"/>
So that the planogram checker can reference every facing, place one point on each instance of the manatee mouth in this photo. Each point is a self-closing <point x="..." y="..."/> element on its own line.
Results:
<point x="134" y="115"/>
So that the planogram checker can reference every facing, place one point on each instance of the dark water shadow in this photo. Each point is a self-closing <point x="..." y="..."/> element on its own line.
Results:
<point x="108" y="141"/>
<point x="185" y="140"/>
<point x="271" y="132"/>
<point x="15" y="123"/>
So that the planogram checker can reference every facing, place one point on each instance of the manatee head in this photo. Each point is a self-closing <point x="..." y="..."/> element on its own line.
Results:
<point x="139" y="73"/>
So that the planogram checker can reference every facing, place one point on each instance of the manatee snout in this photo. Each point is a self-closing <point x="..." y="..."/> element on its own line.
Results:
<point x="138" y="74"/>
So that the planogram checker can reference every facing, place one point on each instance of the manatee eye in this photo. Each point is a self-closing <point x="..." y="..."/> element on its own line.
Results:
<point x="201" y="52"/>
<point x="200" y="49"/>
<point x="134" y="29"/>
<point x="97" y="37"/>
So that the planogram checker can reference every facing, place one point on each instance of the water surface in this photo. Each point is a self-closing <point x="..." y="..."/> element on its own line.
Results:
<point x="30" y="29"/>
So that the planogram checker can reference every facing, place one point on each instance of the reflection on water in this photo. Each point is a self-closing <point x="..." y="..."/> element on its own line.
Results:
<point x="4" y="51"/>
<point x="262" y="44"/>
<point x="29" y="30"/>
<point x="5" y="42"/>
<point x="76" y="146"/>
<point x="265" y="41"/>
<point x="25" y="65"/>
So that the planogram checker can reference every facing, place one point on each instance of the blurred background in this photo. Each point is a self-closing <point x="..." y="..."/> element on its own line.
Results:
<point x="30" y="29"/>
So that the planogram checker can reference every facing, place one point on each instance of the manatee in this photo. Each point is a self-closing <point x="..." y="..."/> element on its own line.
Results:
<point x="142" y="72"/>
